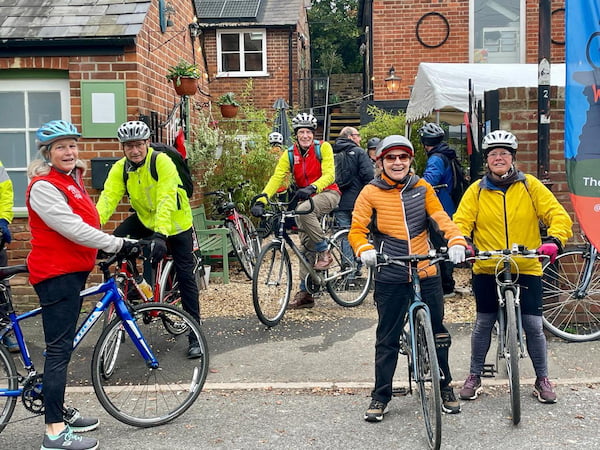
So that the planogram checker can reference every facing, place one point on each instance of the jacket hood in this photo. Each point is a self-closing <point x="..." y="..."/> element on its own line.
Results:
<point x="443" y="148"/>
<point x="344" y="145"/>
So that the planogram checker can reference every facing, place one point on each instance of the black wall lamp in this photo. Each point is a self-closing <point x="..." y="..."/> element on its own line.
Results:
<point x="392" y="83"/>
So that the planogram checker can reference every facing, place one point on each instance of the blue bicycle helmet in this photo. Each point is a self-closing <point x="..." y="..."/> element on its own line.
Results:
<point x="55" y="130"/>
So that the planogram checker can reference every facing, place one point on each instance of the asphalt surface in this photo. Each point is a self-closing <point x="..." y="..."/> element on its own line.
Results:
<point x="306" y="385"/>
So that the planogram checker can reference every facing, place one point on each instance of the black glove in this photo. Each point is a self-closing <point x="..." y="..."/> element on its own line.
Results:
<point x="131" y="249"/>
<point x="305" y="192"/>
<point x="258" y="210"/>
<point x="158" y="248"/>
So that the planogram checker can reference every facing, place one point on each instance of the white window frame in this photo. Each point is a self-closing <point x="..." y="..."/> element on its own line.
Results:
<point x="35" y="85"/>
<point x="522" y="31"/>
<point x="242" y="73"/>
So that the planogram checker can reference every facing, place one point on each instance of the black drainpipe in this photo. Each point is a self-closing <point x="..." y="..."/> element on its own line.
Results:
<point x="290" y="66"/>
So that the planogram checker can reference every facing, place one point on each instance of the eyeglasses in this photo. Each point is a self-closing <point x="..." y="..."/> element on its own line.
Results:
<point x="355" y="134"/>
<point x="392" y="158"/>
<point x="495" y="155"/>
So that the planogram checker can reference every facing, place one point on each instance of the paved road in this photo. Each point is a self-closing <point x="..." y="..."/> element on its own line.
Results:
<point x="306" y="385"/>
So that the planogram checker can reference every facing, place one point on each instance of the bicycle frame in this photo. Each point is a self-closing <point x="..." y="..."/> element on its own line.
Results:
<point x="582" y="288"/>
<point x="111" y="296"/>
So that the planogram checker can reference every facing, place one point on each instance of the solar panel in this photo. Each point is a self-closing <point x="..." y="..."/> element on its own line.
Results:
<point x="223" y="9"/>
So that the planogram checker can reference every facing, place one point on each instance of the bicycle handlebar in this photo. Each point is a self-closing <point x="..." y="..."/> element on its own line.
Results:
<point x="223" y="193"/>
<point x="280" y="205"/>
<point x="516" y="250"/>
<point x="433" y="257"/>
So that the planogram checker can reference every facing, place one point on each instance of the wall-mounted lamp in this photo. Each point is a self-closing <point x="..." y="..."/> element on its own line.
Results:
<point x="165" y="11"/>
<point x="392" y="83"/>
<point x="194" y="30"/>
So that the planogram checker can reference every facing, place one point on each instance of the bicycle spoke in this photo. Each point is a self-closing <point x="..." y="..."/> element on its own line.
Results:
<point x="271" y="284"/>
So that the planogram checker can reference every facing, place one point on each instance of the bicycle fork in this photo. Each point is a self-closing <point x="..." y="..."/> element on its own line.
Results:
<point x="502" y="319"/>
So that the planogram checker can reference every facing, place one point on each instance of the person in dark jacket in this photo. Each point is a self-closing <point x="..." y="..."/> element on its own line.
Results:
<point x="438" y="170"/>
<point x="362" y="173"/>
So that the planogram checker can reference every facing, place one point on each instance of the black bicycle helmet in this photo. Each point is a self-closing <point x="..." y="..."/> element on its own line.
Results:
<point x="304" y="120"/>
<point x="499" y="139"/>
<point x="431" y="134"/>
<point x="395" y="141"/>
<point x="55" y="130"/>
<point x="134" y="130"/>
<point x="373" y="142"/>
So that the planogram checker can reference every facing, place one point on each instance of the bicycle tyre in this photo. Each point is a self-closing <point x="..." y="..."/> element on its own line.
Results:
<point x="351" y="289"/>
<point x="238" y="246"/>
<point x="252" y="238"/>
<point x="511" y="356"/>
<point x="428" y="379"/>
<point x="566" y="314"/>
<point x="8" y="381"/>
<point x="272" y="284"/>
<point x="137" y="394"/>
<point x="169" y="293"/>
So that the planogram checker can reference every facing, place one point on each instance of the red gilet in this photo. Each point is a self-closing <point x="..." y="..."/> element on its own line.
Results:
<point x="307" y="170"/>
<point x="51" y="253"/>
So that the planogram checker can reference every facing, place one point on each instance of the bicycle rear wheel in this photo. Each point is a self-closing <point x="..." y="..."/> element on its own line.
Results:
<point x="272" y="284"/>
<point x="137" y="394"/>
<point x="8" y="382"/>
<point x="511" y="356"/>
<point x="247" y="245"/>
<point x="428" y="379"/>
<point x="569" y="313"/>
<point x="353" y="287"/>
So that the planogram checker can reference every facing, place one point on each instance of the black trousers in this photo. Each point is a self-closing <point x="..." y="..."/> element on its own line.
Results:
<point x="61" y="304"/>
<point x="181" y="248"/>
<point x="392" y="305"/>
<point x="446" y="267"/>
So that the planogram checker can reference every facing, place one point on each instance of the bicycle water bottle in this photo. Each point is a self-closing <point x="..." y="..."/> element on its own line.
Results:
<point x="145" y="288"/>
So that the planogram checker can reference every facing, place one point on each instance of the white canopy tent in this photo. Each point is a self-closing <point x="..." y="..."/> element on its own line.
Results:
<point x="444" y="88"/>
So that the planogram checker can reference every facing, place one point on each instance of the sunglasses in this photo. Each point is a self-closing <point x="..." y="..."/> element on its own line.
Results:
<point x="392" y="158"/>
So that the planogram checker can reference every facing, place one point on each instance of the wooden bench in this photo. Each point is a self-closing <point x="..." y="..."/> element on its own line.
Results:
<point x="213" y="241"/>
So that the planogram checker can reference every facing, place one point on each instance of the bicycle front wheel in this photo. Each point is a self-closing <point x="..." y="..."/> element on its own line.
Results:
<point x="511" y="356"/>
<point x="8" y="382"/>
<point x="427" y="372"/>
<point x="272" y="284"/>
<point x="570" y="310"/>
<point x="351" y="280"/>
<point x="137" y="394"/>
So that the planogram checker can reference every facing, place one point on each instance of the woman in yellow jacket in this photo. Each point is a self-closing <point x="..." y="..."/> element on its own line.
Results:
<point x="502" y="209"/>
<point x="396" y="207"/>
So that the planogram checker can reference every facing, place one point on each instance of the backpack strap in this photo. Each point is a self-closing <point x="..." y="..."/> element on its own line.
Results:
<point x="317" y="153"/>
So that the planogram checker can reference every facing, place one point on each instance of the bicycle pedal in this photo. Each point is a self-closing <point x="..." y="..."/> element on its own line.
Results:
<point x="489" y="371"/>
<point x="400" y="392"/>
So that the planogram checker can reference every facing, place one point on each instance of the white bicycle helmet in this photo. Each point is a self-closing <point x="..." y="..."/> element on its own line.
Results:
<point x="500" y="139"/>
<point x="431" y="134"/>
<point x="55" y="130"/>
<point x="304" y="120"/>
<point x="134" y="130"/>
<point x="395" y="141"/>
<point x="275" y="138"/>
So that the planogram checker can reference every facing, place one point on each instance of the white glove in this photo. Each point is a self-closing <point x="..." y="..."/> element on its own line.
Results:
<point x="456" y="254"/>
<point x="369" y="257"/>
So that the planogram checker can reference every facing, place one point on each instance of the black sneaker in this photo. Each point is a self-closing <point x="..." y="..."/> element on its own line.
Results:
<point x="69" y="440"/>
<point x="449" y="403"/>
<point x="376" y="411"/>
<point x="77" y="423"/>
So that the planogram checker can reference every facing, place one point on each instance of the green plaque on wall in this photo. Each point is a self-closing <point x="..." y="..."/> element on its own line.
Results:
<point x="103" y="108"/>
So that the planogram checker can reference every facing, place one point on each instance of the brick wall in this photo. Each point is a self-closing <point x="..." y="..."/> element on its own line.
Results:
<point x="395" y="42"/>
<point x="518" y="113"/>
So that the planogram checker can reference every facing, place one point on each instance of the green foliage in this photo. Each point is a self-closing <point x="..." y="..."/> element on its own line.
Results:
<point x="335" y="36"/>
<point x="228" y="98"/>
<point x="231" y="152"/>
<point x="385" y="124"/>
<point x="183" y="69"/>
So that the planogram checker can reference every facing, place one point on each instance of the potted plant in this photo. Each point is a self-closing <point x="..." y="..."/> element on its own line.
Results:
<point x="228" y="104"/>
<point x="334" y="101"/>
<point x="184" y="76"/>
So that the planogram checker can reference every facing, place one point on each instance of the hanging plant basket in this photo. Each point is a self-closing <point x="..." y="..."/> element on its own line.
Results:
<point x="229" y="111"/>
<point x="185" y="86"/>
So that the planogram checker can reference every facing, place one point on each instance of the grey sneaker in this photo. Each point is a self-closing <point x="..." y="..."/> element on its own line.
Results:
<point x="449" y="403"/>
<point x="77" y="423"/>
<point x="542" y="389"/>
<point x="376" y="411"/>
<point x="69" y="440"/>
<point x="472" y="387"/>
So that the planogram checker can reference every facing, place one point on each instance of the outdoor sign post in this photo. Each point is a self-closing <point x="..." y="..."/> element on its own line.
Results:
<point x="544" y="92"/>
<point x="582" y="113"/>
